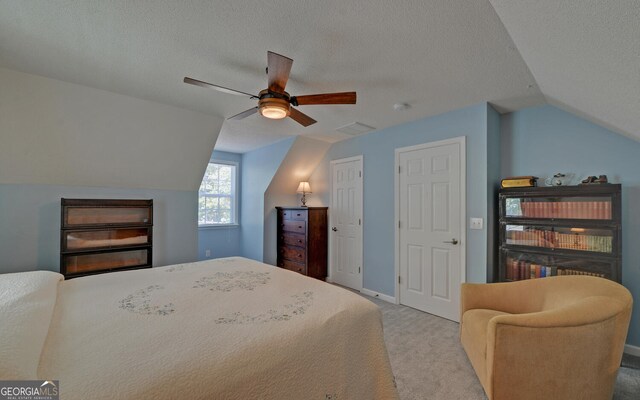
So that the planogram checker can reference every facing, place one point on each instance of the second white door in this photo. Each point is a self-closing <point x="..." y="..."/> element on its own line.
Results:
<point x="346" y="222"/>
<point x="430" y="207"/>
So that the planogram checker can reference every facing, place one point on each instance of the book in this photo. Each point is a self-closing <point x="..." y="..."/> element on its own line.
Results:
<point x="519" y="181"/>
<point x="509" y="271"/>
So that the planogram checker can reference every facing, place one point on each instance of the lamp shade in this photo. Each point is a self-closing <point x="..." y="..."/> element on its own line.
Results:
<point x="304" y="187"/>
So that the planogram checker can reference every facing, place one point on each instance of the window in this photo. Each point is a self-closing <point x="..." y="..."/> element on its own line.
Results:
<point x="217" y="195"/>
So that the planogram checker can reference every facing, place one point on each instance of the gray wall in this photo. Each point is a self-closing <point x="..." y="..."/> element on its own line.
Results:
<point x="30" y="223"/>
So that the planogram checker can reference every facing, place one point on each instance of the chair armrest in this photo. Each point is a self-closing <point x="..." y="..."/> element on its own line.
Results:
<point x="509" y="297"/>
<point x="584" y="312"/>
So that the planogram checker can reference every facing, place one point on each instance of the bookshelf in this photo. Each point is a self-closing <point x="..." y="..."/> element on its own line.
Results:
<point x="98" y="236"/>
<point x="562" y="230"/>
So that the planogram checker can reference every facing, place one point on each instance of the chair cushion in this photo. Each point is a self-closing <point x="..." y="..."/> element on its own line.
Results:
<point x="474" y="338"/>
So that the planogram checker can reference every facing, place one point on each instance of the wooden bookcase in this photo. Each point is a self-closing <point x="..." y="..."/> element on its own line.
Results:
<point x="562" y="230"/>
<point x="98" y="236"/>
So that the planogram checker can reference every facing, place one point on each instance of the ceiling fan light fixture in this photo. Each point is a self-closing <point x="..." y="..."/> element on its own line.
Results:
<point x="274" y="107"/>
<point x="274" y="111"/>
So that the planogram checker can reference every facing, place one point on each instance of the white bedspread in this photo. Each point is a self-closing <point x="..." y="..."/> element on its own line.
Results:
<point x="222" y="329"/>
<point x="27" y="301"/>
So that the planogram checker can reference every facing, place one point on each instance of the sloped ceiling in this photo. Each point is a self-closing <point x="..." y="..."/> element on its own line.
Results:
<point x="301" y="160"/>
<point x="584" y="55"/>
<point x="436" y="55"/>
<point x="54" y="132"/>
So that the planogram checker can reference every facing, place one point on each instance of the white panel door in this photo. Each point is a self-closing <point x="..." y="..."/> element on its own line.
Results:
<point x="430" y="210"/>
<point x="346" y="222"/>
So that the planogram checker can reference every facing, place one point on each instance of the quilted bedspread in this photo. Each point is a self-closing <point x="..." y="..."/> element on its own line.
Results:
<point x="222" y="329"/>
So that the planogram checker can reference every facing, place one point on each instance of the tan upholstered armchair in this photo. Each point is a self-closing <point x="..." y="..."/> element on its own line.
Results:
<point x="551" y="338"/>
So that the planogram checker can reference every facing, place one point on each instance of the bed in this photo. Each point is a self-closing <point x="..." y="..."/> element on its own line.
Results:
<point x="229" y="328"/>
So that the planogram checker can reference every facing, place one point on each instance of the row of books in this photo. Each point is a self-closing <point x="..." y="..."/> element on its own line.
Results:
<point x="552" y="239"/>
<point x="566" y="209"/>
<point x="519" y="270"/>
<point x="578" y="272"/>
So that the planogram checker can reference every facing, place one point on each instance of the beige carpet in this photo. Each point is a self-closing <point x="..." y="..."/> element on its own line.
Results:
<point x="429" y="363"/>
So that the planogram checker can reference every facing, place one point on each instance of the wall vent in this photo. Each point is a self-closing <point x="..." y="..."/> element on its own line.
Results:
<point x="355" y="128"/>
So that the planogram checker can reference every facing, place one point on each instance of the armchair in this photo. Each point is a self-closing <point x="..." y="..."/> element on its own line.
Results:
<point x="551" y="338"/>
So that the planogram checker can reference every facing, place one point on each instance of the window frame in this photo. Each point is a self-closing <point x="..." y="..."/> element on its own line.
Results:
<point x="234" y="189"/>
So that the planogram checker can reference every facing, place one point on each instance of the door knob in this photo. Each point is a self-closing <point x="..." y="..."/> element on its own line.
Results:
<point x="452" y="241"/>
<point x="334" y="229"/>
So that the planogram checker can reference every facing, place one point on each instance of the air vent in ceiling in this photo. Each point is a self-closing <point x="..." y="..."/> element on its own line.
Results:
<point x="355" y="128"/>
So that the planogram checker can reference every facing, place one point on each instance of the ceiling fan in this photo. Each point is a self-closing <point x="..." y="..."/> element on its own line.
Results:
<point x="274" y="102"/>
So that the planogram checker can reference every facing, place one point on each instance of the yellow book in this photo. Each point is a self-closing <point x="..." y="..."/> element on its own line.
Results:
<point x="519" y="181"/>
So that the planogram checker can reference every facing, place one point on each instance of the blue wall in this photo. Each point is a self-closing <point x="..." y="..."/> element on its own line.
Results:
<point x="543" y="140"/>
<point x="30" y="223"/>
<point x="258" y="168"/>
<point x="223" y="241"/>
<point x="378" y="151"/>
<point x="493" y="184"/>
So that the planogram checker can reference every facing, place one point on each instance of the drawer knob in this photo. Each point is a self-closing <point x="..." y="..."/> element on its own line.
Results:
<point x="299" y="226"/>
<point x="299" y="241"/>
<point x="299" y="269"/>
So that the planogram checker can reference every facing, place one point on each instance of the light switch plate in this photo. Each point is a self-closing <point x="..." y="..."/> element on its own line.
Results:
<point x="476" y="223"/>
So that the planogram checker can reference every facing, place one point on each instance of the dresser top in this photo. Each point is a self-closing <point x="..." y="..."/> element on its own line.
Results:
<point x="301" y="208"/>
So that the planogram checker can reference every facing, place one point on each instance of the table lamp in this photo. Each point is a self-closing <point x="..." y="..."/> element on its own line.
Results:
<point x="304" y="188"/>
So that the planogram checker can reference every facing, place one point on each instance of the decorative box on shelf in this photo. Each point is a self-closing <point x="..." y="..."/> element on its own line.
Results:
<point x="98" y="236"/>
<point x="562" y="230"/>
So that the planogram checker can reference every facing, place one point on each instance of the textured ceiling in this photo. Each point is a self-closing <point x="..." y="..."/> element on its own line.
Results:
<point x="584" y="55"/>
<point x="435" y="55"/>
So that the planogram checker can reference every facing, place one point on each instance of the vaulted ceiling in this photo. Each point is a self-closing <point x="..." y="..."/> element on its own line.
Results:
<point x="435" y="55"/>
<point x="584" y="55"/>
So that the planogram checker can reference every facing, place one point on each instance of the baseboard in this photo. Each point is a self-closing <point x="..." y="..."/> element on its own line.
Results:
<point x="633" y="350"/>
<point x="380" y="296"/>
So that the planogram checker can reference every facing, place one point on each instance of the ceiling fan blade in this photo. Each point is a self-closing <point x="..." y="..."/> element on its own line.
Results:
<point x="326" y="98"/>
<point x="278" y="69"/>
<point x="223" y="89"/>
<point x="301" y="118"/>
<point x="245" y="114"/>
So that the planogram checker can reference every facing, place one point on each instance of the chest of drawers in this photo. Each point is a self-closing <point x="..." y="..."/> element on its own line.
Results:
<point x="302" y="240"/>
